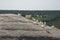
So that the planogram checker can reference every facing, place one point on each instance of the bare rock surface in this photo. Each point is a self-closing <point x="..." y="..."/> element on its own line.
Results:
<point x="16" y="26"/>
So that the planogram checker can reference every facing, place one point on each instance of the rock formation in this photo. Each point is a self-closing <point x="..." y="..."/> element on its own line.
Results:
<point x="12" y="25"/>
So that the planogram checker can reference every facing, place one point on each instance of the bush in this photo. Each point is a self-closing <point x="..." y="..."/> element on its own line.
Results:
<point x="39" y="18"/>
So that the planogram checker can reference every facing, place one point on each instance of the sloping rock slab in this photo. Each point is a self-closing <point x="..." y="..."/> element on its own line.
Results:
<point x="28" y="38"/>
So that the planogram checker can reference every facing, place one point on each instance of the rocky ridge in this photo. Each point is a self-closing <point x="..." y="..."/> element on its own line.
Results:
<point x="14" y="26"/>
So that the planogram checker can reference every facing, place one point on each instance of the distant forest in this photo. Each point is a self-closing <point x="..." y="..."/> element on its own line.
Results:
<point x="51" y="17"/>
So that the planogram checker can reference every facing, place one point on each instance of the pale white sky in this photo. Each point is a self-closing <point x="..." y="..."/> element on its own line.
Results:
<point x="30" y="4"/>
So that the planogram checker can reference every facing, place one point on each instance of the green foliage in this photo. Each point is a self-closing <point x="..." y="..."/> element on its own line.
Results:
<point x="57" y="23"/>
<point x="39" y="18"/>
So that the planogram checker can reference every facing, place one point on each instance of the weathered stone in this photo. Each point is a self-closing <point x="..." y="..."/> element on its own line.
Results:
<point x="16" y="26"/>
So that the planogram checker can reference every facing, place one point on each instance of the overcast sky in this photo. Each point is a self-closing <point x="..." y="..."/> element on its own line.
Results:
<point x="30" y="4"/>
